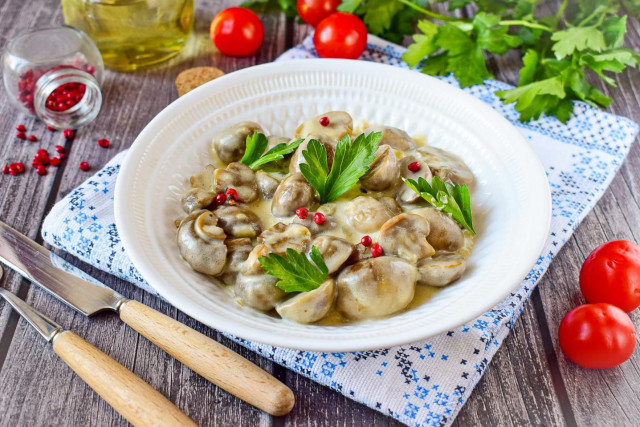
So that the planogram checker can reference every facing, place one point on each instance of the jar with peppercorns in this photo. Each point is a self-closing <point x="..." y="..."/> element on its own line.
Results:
<point x="54" y="74"/>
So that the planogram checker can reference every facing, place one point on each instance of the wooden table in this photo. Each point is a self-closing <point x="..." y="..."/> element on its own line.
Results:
<point x="529" y="381"/>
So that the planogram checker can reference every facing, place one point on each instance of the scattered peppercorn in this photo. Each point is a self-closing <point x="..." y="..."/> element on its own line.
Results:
<point x="366" y="241"/>
<point x="414" y="167"/>
<point x="104" y="143"/>
<point x="59" y="148"/>
<point x="376" y="250"/>
<point x="319" y="218"/>
<point x="32" y="138"/>
<point x="221" y="198"/>
<point x="21" y="135"/>
<point x="302" y="213"/>
<point x="324" y="121"/>
<point x="5" y="169"/>
<point x="41" y="170"/>
<point x="21" y="128"/>
<point x="51" y="128"/>
<point x="19" y="166"/>
<point x="54" y="161"/>
<point x="84" y="166"/>
<point x="69" y="133"/>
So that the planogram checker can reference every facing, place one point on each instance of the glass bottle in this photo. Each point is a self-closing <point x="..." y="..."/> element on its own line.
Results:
<point x="54" y="74"/>
<point x="133" y="34"/>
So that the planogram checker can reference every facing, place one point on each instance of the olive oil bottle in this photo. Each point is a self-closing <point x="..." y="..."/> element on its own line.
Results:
<point x="133" y="34"/>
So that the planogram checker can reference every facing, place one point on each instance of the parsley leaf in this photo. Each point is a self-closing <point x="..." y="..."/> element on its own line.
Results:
<point x="295" y="271"/>
<point x="577" y="39"/>
<point x="350" y="162"/>
<point x="452" y="199"/>
<point x="257" y="143"/>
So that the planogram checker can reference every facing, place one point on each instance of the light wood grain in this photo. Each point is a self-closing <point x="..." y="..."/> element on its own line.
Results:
<point x="210" y="359"/>
<point x="134" y="399"/>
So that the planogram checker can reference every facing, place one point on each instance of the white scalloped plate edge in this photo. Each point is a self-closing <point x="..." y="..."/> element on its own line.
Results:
<point x="512" y="203"/>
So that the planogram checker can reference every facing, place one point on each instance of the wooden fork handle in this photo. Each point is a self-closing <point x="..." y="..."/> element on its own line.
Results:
<point x="127" y="393"/>
<point x="212" y="360"/>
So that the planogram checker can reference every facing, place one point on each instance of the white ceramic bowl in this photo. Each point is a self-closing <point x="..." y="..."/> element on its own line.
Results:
<point x="512" y="205"/>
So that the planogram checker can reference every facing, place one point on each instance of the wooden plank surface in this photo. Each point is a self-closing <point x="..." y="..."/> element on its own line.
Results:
<point x="528" y="382"/>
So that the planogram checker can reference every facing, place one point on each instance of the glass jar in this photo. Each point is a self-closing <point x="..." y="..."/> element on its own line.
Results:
<point x="133" y="34"/>
<point x="54" y="74"/>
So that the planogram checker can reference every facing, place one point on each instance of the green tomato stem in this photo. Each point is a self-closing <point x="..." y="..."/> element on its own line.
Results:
<point x="525" y="24"/>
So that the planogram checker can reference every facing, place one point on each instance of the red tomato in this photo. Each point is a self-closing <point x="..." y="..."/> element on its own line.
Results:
<point x="237" y="31"/>
<point x="611" y="274"/>
<point x="597" y="336"/>
<point x="314" y="11"/>
<point x="340" y="35"/>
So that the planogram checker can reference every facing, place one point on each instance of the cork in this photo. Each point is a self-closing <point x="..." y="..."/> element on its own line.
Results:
<point x="191" y="78"/>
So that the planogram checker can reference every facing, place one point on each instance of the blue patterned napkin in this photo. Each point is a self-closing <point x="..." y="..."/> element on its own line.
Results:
<point x="425" y="383"/>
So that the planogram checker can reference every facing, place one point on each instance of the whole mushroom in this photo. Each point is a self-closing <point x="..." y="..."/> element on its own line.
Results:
<point x="376" y="287"/>
<point x="238" y="221"/>
<point x="196" y="199"/>
<point x="338" y="124"/>
<point x="201" y="242"/>
<point x="258" y="291"/>
<point x="279" y="237"/>
<point x="383" y="171"/>
<point x="231" y="143"/>
<point x="393" y="137"/>
<point x="405" y="235"/>
<point x="239" y="177"/>
<point x="406" y="194"/>
<point x="446" y="165"/>
<point x="266" y="184"/>
<point x="334" y="251"/>
<point x="292" y="193"/>
<point x="367" y="214"/>
<point x="205" y="179"/>
<point x="441" y="270"/>
<point x="309" y="307"/>
<point x="445" y="234"/>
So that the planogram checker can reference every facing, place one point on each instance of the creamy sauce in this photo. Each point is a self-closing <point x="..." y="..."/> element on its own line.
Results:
<point x="335" y="211"/>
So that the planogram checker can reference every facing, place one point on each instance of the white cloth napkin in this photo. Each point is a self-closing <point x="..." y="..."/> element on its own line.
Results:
<point x="425" y="383"/>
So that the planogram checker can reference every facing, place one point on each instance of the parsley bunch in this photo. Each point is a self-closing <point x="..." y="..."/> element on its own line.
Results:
<point x="560" y="48"/>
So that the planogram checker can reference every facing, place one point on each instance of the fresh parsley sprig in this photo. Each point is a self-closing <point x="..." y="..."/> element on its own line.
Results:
<point x="452" y="199"/>
<point x="350" y="162"/>
<point x="295" y="271"/>
<point x="254" y="155"/>
<point x="562" y="49"/>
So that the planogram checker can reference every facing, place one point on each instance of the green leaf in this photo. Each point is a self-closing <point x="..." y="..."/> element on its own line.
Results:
<point x="349" y="6"/>
<point x="535" y="98"/>
<point x="295" y="271"/>
<point x="614" y="29"/>
<point x="492" y="37"/>
<point x="452" y="199"/>
<point x="315" y="169"/>
<point x="256" y="144"/>
<point x="529" y="67"/>
<point x="350" y="162"/>
<point x="436" y="65"/>
<point x="276" y="153"/>
<point x="378" y="14"/>
<point x="577" y="39"/>
<point x="423" y="44"/>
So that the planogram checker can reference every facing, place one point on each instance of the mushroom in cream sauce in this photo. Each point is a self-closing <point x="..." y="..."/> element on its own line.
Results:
<point x="378" y="239"/>
<point x="376" y="287"/>
<point x="231" y="143"/>
<point x="201" y="242"/>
